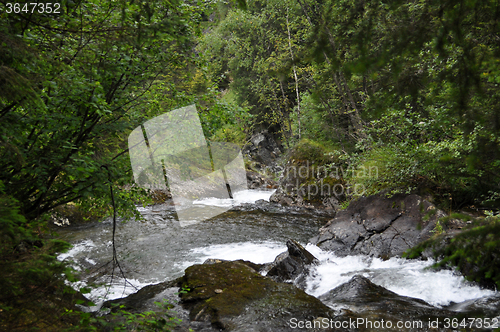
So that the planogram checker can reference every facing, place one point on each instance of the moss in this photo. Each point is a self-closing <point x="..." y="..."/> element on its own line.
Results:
<point x="218" y="292"/>
<point x="460" y="216"/>
<point x="311" y="151"/>
<point x="238" y="283"/>
<point x="475" y="252"/>
<point x="429" y="214"/>
<point x="313" y="173"/>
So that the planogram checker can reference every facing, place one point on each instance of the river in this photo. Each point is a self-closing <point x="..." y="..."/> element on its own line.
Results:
<point x="158" y="248"/>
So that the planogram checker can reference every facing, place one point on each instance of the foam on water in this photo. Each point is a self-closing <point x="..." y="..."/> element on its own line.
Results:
<point x="244" y="196"/>
<point x="78" y="248"/>
<point x="82" y="246"/>
<point x="404" y="277"/>
<point x="257" y="252"/>
<point x="118" y="289"/>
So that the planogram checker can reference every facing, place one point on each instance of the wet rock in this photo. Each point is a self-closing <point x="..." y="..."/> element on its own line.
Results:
<point x="291" y="266"/>
<point x="307" y="181"/>
<point x="234" y="297"/>
<point x="282" y="198"/>
<point x="256" y="180"/>
<point x="262" y="148"/>
<point x="376" y="304"/>
<point x="160" y="196"/>
<point x="379" y="226"/>
<point x="214" y="261"/>
<point x="488" y="306"/>
<point x="142" y="300"/>
<point x="331" y="203"/>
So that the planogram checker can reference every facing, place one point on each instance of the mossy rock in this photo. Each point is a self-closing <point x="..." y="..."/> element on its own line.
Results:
<point x="311" y="151"/>
<point x="70" y="214"/>
<point x="309" y="177"/>
<point x="160" y="196"/>
<point x="233" y="296"/>
<point x="474" y="250"/>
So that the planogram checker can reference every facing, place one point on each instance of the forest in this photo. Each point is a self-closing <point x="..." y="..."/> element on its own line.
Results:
<point x="410" y="87"/>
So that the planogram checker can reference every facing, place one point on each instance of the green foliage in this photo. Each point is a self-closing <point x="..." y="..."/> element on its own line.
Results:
<point x="31" y="278"/>
<point x="425" y="157"/>
<point x="76" y="86"/>
<point x="420" y="73"/>
<point x="307" y="150"/>
<point x="405" y="93"/>
<point x="12" y="224"/>
<point x="120" y="319"/>
<point x="230" y="133"/>
<point x="344" y="205"/>
<point x="438" y="230"/>
<point x="474" y="252"/>
<point x="218" y="113"/>
<point x="317" y="122"/>
<point x="414" y="84"/>
<point x="249" y="52"/>
<point x="73" y="86"/>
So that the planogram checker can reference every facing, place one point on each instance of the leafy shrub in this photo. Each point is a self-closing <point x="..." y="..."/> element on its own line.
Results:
<point x="308" y="150"/>
<point x="440" y="167"/>
<point x="230" y="133"/>
<point x="474" y="252"/>
<point x="31" y="278"/>
<point x="122" y="320"/>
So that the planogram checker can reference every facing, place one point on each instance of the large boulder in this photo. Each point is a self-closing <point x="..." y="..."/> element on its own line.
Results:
<point x="234" y="297"/>
<point x="308" y="178"/>
<point x="488" y="306"/>
<point x="142" y="300"/>
<point x="292" y="266"/>
<point x="374" y="304"/>
<point x="262" y="148"/>
<point x="146" y="300"/>
<point x="379" y="226"/>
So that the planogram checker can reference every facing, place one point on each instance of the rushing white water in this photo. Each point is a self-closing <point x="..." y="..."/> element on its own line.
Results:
<point x="78" y="248"/>
<point x="112" y="290"/>
<point x="256" y="252"/>
<point x="158" y="250"/>
<point x="402" y="276"/>
<point x="150" y="246"/>
<point x="244" y="196"/>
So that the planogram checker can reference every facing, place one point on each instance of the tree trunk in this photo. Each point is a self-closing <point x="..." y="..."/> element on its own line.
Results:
<point x="294" y="72"/>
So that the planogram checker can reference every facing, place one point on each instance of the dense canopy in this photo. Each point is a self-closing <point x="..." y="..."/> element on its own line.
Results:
<point x="410" y="87"/>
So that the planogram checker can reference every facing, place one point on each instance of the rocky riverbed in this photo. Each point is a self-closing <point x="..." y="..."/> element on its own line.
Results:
<point x="249" y="269"/>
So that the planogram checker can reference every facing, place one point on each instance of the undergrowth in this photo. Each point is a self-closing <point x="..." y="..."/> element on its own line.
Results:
<point x="474" y="252"/>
